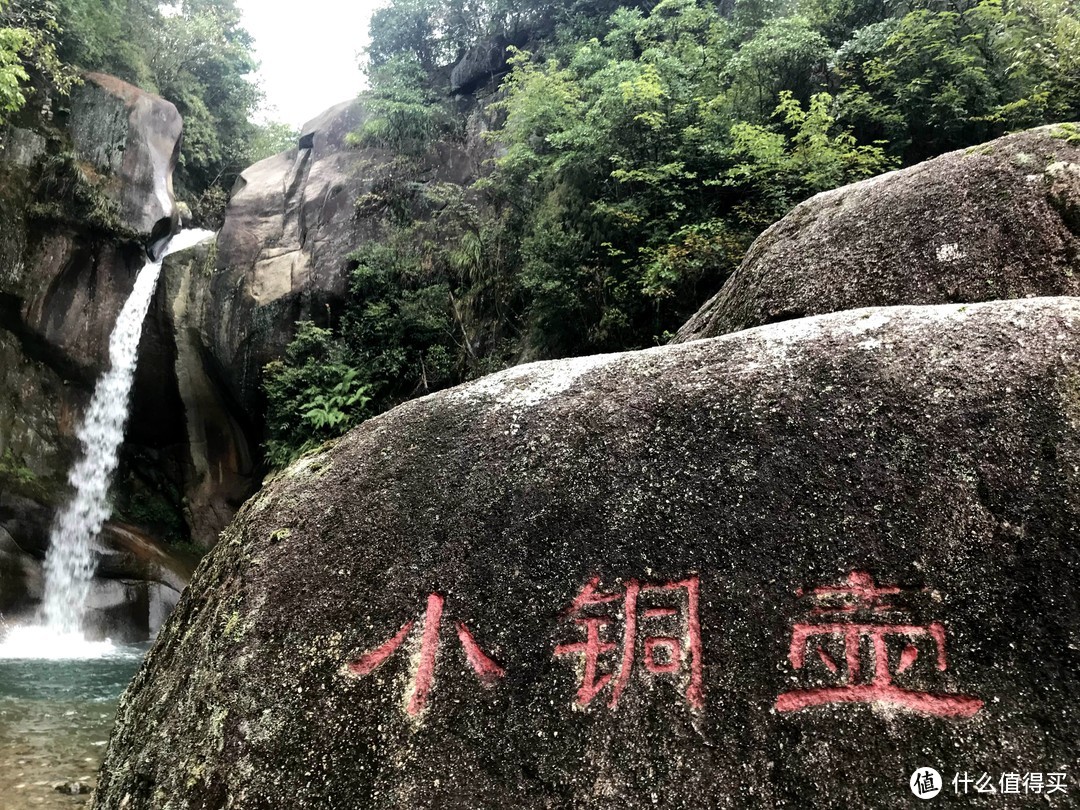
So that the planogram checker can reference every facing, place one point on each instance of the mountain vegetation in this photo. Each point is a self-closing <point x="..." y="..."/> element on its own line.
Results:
<point x="638" y="149"/>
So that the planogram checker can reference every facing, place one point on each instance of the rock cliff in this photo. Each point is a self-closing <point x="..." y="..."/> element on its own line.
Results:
<point x="785" y="567"/>
<point x="1000" y="220"/>
<point x="90" y="193"/>
<point x="292" y="221"/>
<point x="84" y="195"/>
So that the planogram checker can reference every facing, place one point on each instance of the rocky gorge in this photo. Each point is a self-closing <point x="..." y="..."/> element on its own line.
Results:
<point x="588" y="582"/>
<point x="221" y="312"/>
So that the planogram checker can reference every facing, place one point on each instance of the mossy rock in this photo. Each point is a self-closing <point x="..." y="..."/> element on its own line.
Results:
<point x="631" y="580"/>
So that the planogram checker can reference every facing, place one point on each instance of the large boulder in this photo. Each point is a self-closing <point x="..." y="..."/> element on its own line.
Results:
<point x="996" y="221"/>
<point x="786" y="567"/>
<point x="132" y="138"/>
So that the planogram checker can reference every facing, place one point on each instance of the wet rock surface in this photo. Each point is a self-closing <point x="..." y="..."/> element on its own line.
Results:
<point x="219" y="469"/>
<point x="786" y="567"/>
<point x="997" y="221"/>
<point x="138" y="579"/>
<point x="84" y="197"/>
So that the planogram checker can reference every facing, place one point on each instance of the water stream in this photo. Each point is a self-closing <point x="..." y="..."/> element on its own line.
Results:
<point x="58" y="690"/>
<point x="69" y="564"/>
<point x="55" y="718"/>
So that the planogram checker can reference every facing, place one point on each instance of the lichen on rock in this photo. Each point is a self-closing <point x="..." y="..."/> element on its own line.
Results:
<point x="404" y="620"/>
<point x="997" y="221"/>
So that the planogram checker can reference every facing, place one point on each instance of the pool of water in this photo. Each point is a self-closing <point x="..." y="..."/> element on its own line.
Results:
<point x="55" y="718"/>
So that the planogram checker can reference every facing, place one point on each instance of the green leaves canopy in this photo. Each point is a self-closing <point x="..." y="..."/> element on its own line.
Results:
<point x="639" y="149"/>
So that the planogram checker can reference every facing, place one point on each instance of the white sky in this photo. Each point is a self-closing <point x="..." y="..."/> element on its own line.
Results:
<point x="308" y="50"/>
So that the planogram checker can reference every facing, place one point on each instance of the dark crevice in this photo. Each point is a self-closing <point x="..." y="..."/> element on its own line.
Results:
<point x="250" y="427"/>
<point x="159" y="238"/>
<point x="954" y="296"/>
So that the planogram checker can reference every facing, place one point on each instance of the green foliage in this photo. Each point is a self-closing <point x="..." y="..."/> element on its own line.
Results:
<point x="693" y="252"/>
<point x="270" y="139"/>
<point x="149" y="508"/>
<point x="934" y="70"/>
<point x="208" y="208"/>
<point x="776" y="170"/>
<point x="410" y="326"/>
<point x="13" y="42"/>
<point x="785" y="55"/>
<point x="404" y="115"/>
<point x="71" y="191"/>
<point x="194" y="53"/>
<point x="28" y="40"/>
<point x="1037" y="44"/>
<point x="200" y="59"/>
<point x="399" y="326"/>
<point x="640" y="169"/>
<point x="17" y="477"/>
<point x="933" y="80"/>
<point x="333" y="408"/>
<point x="1068" y="132"/>
<point x="312" y="394"/>
<point x="639" y="147"/>
<point x="112" y="36"/>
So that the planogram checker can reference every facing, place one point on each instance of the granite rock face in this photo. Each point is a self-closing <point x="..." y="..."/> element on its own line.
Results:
<point x="133" y="138"/>
<point x="220" y="467"/>
<point x="292" y="221"/>
<point x="785" y="567"/>
<point x="84" y="196"/>
<point x="480" y="65"/>
<point x="996" y="221"/>
<point x="74" y="225"/>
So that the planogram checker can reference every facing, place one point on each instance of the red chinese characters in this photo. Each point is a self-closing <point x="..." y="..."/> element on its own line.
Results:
<point x="660" y="625"/>
<point x="859" y="610"/>
<point x="485" y="668"/>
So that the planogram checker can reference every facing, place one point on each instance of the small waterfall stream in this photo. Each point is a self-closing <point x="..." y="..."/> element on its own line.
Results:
<point x="69" y="564"/>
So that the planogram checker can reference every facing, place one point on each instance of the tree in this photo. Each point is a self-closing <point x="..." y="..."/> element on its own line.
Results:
<point x="786" y="54"/>
<point x="777" y="170"/>
<point x="1038" y="51"/>
<point x="270" y="139"/>
<point x="200" y="60"/>
<point x="29" y="33"/>
<point x="112" y="36"/>
<point x="934" y="74"/>
<point x="640" y="148"/>
<point x="406" y="28"/>
<point x="404" y="114"/>
<point x="13" y="76"/>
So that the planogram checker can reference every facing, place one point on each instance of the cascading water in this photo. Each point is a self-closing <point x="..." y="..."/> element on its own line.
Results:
<point x="69" y="564"/>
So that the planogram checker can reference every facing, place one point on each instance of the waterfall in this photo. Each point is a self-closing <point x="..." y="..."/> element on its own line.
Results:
<point x="70" y="563"/>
